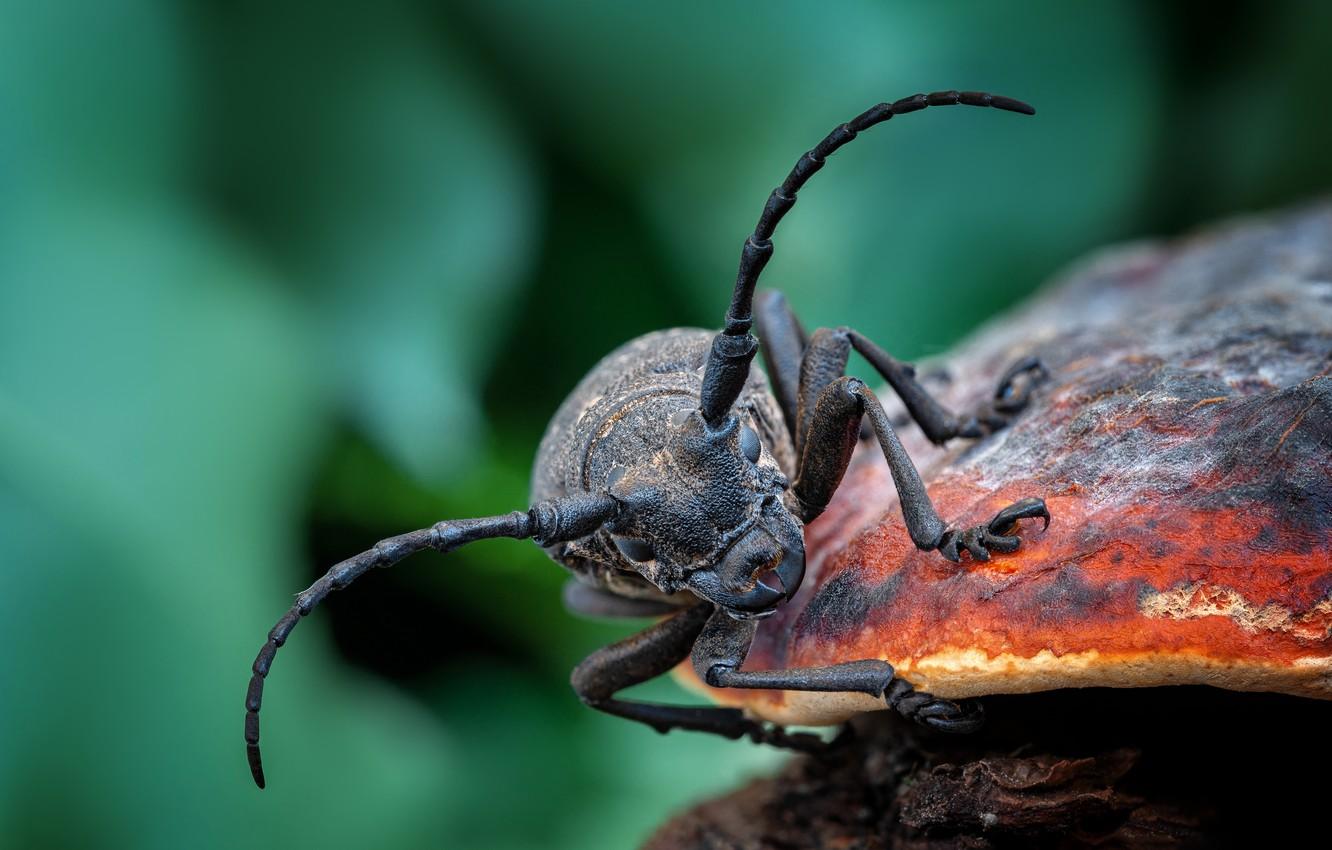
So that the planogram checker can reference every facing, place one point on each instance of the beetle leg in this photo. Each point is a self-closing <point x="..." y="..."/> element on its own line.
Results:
<point x="833" y="429"/>
<point x="782" y="341"/>
<point x="960" y="717"/>
<point x="825" y="361"/>
<point x="724" y="642"/>
<point x="651" y="653"/>
<point x="1006" y="520"/>
<point x="939" y="425"/>
<point x="1011" y="395"/>
<point x="994" y="535"/>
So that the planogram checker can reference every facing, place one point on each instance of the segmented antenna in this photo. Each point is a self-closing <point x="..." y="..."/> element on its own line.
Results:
<point x="734" y="348"/>
<point x="551" y="521"/>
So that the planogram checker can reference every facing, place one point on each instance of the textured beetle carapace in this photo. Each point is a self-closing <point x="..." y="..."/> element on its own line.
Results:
<point x="676" y="480"/>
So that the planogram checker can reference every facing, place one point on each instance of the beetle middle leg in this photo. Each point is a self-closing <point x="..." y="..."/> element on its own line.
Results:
<point x="724" y="642"/>
<point x="801" y="367"/>
<point x="649" y="654"/>
<point x="833" y="431"/>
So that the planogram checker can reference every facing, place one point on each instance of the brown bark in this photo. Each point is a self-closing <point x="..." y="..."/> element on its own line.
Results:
<point x="1185" y="446"/>
<point x="1161" y="767"/>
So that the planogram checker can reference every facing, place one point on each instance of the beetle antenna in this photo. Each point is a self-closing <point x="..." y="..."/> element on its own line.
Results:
<point x="548" y="522"/>
<point x="734" y="348"/>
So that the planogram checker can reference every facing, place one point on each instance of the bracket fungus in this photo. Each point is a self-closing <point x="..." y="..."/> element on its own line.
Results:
<point x="1184" y="444"/>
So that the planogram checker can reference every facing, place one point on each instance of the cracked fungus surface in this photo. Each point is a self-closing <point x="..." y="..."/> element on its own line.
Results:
<point x="1184" y="447"/>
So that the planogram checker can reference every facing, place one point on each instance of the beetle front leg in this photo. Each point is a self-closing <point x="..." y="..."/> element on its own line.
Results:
<point x="994" y="535"/>
<point x="833" y="430"/>
<point x="724" y="642"/>
<point x="651" y="653"/>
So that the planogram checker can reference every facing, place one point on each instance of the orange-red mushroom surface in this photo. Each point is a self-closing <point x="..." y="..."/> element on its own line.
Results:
<point x="1183" y="444"/>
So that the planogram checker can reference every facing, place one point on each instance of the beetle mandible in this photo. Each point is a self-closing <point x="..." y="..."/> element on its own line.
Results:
<point x="675" y="482"/>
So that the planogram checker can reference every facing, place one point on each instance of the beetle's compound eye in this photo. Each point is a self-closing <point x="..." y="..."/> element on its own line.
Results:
<point x="634" y="549"/>
<point x="749" y="444"/>
<point x="614" y="476"/>
<point x="680" y="417"/>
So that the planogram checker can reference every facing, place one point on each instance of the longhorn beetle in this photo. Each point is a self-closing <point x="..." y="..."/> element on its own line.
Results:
<point x="674" y="482"/>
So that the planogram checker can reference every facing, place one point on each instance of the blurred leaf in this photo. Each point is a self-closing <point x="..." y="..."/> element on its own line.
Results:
<point x="92" y="96"/>
<point x="158" y="414"/>
<point x="582" y="779"/>
<point x="917" y="231"/>
<point x="1243" y="131"/>
<point x="152" y="415"/>
<point x="385" y="180"/>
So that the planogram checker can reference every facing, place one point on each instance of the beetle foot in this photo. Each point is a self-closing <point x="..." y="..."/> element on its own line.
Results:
<point x="1014" y="390"/>
<point x="804" y="742"/>
<point x="1029" y="508"/>
<point x="995" y="535"/>
<point x="1011" y="395"/>
<point x="845" y="737"/>
<point x="944" y="715"/>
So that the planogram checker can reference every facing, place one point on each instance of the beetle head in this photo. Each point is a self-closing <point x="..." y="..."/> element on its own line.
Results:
<point x="705" y="513"/>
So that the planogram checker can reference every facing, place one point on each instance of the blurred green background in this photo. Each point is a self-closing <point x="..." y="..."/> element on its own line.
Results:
<point x="277" y="280"/>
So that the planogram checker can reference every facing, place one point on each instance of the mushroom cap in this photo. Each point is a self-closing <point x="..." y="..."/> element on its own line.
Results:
<point x="1183" y="444"/>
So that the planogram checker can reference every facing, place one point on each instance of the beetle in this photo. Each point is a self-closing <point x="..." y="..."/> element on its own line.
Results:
<point x="675" y="481"/>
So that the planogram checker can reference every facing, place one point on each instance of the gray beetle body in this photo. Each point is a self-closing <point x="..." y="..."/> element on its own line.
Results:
<point x="673" y="481"/>
<point x="619" y="415"/>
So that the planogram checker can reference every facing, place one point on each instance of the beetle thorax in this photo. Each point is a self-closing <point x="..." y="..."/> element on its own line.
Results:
<point x="700" y="504"/>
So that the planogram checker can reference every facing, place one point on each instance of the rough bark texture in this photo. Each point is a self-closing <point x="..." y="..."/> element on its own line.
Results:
<point x="1161" y="767"/>
<point x="1184" y="445"/>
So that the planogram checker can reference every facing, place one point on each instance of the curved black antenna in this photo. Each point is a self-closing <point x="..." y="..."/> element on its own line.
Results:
<point x="548" y="522"/>
<point x="734" y="347"/>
